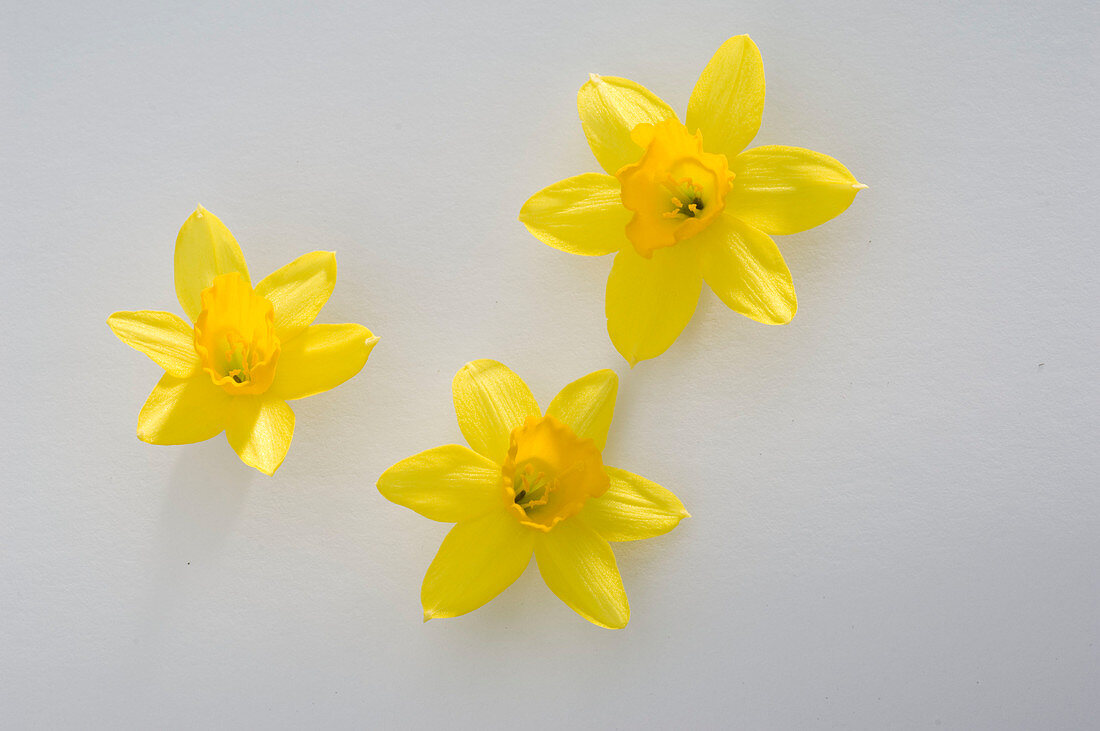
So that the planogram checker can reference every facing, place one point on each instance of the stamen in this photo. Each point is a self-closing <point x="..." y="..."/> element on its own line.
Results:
<point x="536" y="490"/>
<point x="682" y="190"/>
<point x="239" y="358"/>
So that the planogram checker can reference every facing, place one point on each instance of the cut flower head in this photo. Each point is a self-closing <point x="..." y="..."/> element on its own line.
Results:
<point x="246" y="350"/>
<point x="685" y="202"/>
<point x="530" y="483"/>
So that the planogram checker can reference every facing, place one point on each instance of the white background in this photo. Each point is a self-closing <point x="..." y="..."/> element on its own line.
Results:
<point x="894" y="498"/>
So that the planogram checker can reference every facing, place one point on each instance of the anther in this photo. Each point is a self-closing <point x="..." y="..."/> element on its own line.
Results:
<point x="536" y="488"/>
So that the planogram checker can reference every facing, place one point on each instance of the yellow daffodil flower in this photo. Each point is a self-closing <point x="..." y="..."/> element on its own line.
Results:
<point x="533" y="483"/>
<point x="245" y="352"/>
<point x="684" y="202"/>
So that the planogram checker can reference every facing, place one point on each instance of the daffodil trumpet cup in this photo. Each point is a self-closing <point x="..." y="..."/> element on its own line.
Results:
<point x="529" y="483"/>
<point x="685" y="202"/>
<point x="245" y="351"/>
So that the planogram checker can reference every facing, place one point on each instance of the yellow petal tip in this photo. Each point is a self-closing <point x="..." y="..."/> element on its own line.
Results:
<point x="625" y="622"/>
<point x="525" y="211"/>
<point x="270" y="472"/>
<point x="609" y="373"/>
<point x="858" y="186"/>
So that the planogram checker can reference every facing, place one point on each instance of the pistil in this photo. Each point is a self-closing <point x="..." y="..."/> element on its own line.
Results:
<point x="687" y="199"/>
<point x="534" y="490"/>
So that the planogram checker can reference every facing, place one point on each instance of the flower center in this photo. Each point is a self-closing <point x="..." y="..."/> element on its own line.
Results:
<point x="235" y="336"/>
<point x="675" y="190"/>
<point x="550" y="472"/>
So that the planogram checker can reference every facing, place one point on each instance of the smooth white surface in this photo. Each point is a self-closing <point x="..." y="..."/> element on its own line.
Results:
<point x="895" y="509"/>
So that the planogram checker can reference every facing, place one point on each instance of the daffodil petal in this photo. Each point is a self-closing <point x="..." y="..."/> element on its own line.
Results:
<point x="650" y="301"/>
<point x="299" y="290"/>
<point x="581" y="215"/>
<point x="478" y="559"/>
<point x="320" y="358"/>
<point x="632" y="508"/>
<point x="204" y="249"/>
<point x="163" y="336"/>
<point x="784" y="190"/>
<point x="579" y="567"/>
<point x="491" y="401"/>
<point x="587" y="404"/>
<point x="745" y="269"/>
<point x="450" y="484"/>
<point x="728" y="100"/>
<point x="183" y="411"/>
<point x="259" y="430"/>
<point x="610" y="108"/>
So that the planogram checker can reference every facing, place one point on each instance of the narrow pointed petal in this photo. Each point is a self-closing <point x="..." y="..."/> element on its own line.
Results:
<point x="321" y="358"/>
<point x="299" y="290"/>
<point x="450" y="484"/>
<point x="650" y="301"/>
<point x="579" y="567"/>
<point x="183" y="411"/>
<point x="727" y="103"/>
<point x="259" y="430"/>
<point x="490" y="401"/>
<point x="163" y="336"/>
<point x="784" y="190"/>
<point x="632" y="508"/>
<point x="478" y="559"/>
<point x="746" y="270"/>
<point x="204" y="249"/>
<point x="587" y="404"/>
<point x="581" y="215"/>
<point x="610" y="108"/>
